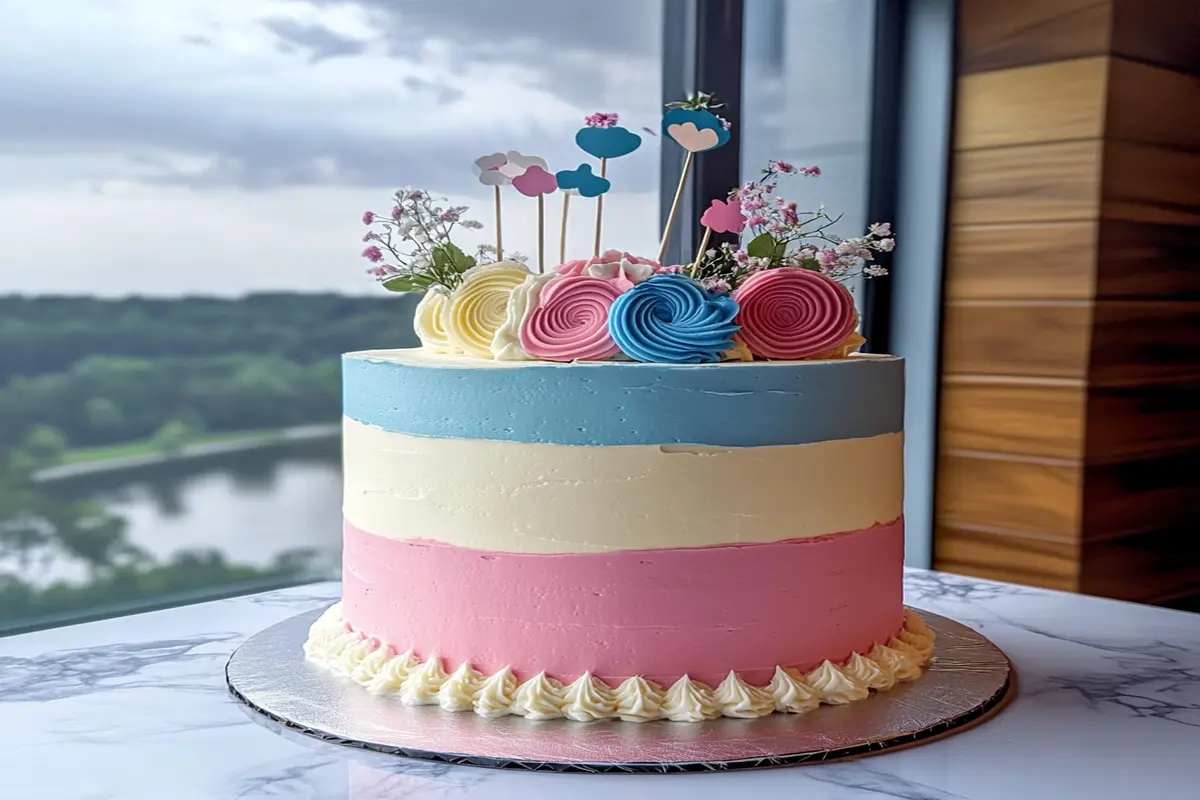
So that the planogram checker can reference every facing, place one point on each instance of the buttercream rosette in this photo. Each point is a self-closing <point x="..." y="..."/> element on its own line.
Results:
<point x="569" y="320"/>
<point x="793" y="313"/>
<point x="670" y="319"/>
<point x="478" y="306"/>
<point x="429" y="321"/>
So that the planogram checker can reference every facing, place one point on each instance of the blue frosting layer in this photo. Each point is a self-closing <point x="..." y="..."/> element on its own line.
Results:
<point x="727" y="405"/>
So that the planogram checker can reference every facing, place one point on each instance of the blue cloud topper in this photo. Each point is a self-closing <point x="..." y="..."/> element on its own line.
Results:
<point x="702" y="119"/>
<point x="581" y="178"/>
<point x="607" y="142"/>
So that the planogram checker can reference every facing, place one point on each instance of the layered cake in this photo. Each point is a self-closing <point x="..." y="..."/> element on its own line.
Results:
<point x="616" y="489"/>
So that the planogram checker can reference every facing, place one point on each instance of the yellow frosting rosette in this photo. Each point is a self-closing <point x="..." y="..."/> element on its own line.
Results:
<point x="479" y="305"/>
<point x="429" y="321"/>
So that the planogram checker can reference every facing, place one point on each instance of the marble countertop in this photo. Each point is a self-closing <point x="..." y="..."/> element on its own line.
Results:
<point x="136" y="707"/>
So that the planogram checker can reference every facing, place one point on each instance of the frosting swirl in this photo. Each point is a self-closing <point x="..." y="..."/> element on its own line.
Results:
<point x="622" y="269"/>
<point x="569" y="320"/>
<point x="458" y="692"/>
<point x="506" y="344"/>
<point x="639" y="700"/>
<point x="589" y="698"/>
<point x="540" y="697"/>
<point x="740" y="700"/>
<point x="793" y="313"/>
<point x="791" y="694"/>
<point x="479" y="306"/>
<point x="429" y="321"/>
<point x="690" y="701"/>
<point x="670" y="319"/>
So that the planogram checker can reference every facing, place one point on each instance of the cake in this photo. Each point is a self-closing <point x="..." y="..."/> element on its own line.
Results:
<point x="620" y="489"/>
<point x="622" y="540"/>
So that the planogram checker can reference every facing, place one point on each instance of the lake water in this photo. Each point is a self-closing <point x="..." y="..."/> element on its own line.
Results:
<point x="250" y="505"/>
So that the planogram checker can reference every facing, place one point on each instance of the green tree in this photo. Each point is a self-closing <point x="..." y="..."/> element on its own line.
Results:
<point x="45" y="445"/>
<point x="104" y="417"/>
<point x="173" y="436"/>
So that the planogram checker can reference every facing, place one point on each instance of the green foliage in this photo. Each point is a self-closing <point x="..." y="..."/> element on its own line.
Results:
<point x="45" y="445"/>
<point x="104" y="417"/>
<point x="767" y="246"/>
<point x="173" y="436"/>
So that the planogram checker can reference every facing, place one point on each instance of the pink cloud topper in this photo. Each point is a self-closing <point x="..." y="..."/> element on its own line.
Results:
<point x="535" y="181"/>
<point x="724" y="216"/>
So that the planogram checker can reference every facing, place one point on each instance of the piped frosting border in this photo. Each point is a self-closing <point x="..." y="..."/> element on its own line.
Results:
<point x="382" y="669"/>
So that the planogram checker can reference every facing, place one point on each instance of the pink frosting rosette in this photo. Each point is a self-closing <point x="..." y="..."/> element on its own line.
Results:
<point x="793" y="313"/>
<point x="570" y="320"/>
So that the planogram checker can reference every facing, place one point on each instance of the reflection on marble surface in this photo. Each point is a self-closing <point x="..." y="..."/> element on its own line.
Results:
<point x="1109" y="707"/>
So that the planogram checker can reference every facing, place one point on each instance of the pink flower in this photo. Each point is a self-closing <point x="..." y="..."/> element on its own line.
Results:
<point x="724" y="217"/>
<point x="726" y="124"/>
<point x="373" y="254"/>
<point x="714" y="284"/>
<point x="756" y="221"/>
<point x="397" y="212"/>
<point x="741" y="257"/>
<point x="810" y="172"/>
<point x="449" y="215"/>
<point x="827" y="258"/>
<point x="753" y="205"/>
<point x="793" y="313"/>
<point x="368" y="217"/>
<point x="886" y="245"/>
<point x="789" y="215"/>
<point x="601" y="120"/>
<point x="781" y="166"/>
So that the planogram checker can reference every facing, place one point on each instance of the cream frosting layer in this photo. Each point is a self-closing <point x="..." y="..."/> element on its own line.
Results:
<point x="540" y="498"/>
<point x="654" y="613"/>
<point x="375" y="664"/>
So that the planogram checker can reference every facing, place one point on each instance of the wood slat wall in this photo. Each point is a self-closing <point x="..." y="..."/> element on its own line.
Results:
<point x="1070" y="399"/>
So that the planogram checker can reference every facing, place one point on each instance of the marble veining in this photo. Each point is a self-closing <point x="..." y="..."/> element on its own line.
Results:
<point x="130" y="708"/>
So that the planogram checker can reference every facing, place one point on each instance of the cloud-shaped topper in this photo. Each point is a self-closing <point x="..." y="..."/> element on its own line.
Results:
<point x="534" y="181"/>
<point x="724" y="216"/>
<point x="488" y="168"/>
<point x="582" y="179"/>
<point x="515" y="164"/>
<point x="694" y="130"/>
<point x="607" y="142"/>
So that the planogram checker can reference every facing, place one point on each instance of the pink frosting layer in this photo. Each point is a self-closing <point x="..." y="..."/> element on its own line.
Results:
<point x="656" y="613"/>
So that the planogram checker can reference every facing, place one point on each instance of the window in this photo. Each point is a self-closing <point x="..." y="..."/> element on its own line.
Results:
<point x="179" y="204"/>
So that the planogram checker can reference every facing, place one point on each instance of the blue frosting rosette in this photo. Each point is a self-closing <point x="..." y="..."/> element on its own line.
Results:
<point x="670" y="319"/>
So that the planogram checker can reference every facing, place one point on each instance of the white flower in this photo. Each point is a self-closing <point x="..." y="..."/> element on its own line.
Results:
<point x="886" y="245"/>
<point x="880" y="229"/>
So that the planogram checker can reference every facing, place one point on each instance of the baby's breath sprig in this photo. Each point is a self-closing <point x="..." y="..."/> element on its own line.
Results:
<point x="411" y="249"/>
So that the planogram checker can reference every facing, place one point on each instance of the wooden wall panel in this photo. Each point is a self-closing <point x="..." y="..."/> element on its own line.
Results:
<point x="1055" y="260"/>
<point x="1152" y="105"/>
<point x="1001" y="556"/>
<point x="1002" y="415"/>
<point x="1028" y="183"/>
<point x="1070" y="404"/>
<point x="1011" y="33"/>
<point x="989" y="491"/>
<point x="1025" y="105"/>
<point x="1144" y="260"/>
<point x="1045" y="339"/>
<point x="1145" y="183"/>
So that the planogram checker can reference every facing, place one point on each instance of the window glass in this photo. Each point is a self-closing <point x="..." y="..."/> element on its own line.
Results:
<point x="806" y="99"/>
<point x="181" y="192"/>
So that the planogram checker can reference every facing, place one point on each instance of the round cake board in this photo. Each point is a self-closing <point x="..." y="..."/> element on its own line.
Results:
<point x="968" y="680"/>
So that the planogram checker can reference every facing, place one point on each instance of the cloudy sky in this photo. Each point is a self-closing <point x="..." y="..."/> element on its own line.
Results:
<point x="225" y="146"/>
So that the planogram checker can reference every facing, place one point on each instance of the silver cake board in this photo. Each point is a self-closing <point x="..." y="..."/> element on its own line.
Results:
<point x="968" y="680"/>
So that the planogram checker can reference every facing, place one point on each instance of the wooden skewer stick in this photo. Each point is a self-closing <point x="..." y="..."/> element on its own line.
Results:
<point x="703" y="247"/>
<point x="499" y="237"/>
<point x="541" y="233"/>
<point x="666" y="237"/>
<point x="562" y="233"/>
<point x="599" y="209"/>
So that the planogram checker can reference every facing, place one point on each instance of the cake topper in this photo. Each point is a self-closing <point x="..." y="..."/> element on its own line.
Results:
<point x="603" y="138"/>
<point x="488" y="168"/>
<point x="535" y="181"/>
<point x="583" y="182"/>
<point x="722" y="216"/>
<point x="695" y="128"/>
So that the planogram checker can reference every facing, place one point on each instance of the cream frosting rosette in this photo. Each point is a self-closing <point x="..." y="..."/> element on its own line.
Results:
<point x="506" y="345"/>
<point x="478" y="307"/>
<point x="429" y="321"/>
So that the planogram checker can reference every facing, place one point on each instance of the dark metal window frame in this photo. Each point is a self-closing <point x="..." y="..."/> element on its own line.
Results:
<point x="702" y="49"/>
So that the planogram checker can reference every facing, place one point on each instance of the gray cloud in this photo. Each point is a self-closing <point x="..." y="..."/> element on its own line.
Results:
<point x="320" y="42"/>
<point x="570" y="45"/>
